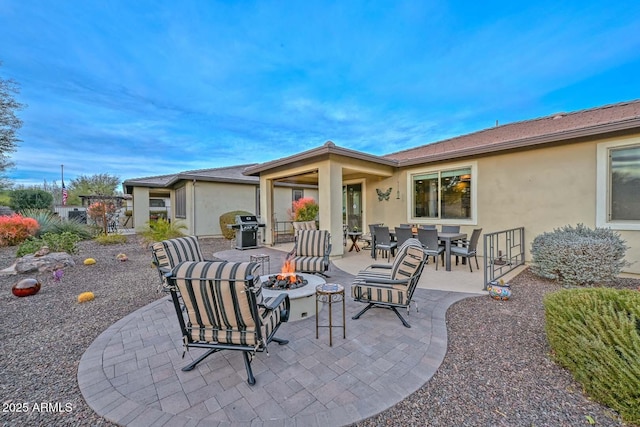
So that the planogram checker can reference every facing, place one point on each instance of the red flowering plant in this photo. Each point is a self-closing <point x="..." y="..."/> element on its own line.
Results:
<point x="100" y="212"/>
<point x="15" y="229"/>
<point x="304" y="209"/>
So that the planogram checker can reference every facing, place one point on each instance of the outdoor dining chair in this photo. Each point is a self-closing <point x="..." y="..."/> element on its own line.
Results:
<point x="383" y="242"/>
<point x="468" y="248"/>
<point x="402" y="234"/>
<point x="428" y="237"/>
<point x="224" y="309"/>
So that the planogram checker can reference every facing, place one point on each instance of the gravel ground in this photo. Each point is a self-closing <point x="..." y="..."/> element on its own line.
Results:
<point x="497" y="371"/>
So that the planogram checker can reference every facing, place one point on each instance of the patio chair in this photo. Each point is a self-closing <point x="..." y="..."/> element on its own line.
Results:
<point x="369" y="238"/>
<point x="394" y="287"/>
<point x="429" y="239"/>
<point x="468" y="248"/>
<point x="225" y="309"/>
<point x="383" y="242"/>
<point x="310" y="253"/>
<point x="403" y="234"/>
<point x="169" y="253"/>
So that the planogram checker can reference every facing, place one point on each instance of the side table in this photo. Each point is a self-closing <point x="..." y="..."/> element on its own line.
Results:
<point x="354" y="235"/>
<point x="330" y="293"/>
<point x="261" y="259"/>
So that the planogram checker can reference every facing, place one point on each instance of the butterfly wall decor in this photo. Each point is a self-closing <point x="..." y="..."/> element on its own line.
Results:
<point x="383" y="195"/>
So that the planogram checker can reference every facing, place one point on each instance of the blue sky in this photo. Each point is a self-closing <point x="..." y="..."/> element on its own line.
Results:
<point x="141" y="88"/>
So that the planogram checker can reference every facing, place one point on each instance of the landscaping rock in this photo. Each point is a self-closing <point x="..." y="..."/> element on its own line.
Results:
<point x="50" y="262"/>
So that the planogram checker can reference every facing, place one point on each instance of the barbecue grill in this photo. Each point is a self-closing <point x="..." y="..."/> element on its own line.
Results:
<point x="246" y="227"/>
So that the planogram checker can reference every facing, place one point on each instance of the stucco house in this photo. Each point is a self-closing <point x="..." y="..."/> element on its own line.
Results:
<point x="540" y="174"/>
<point x="198" y="198"/>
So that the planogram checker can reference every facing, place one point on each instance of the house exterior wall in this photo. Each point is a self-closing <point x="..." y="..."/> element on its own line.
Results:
<point x="212" y="199"/>
<point x="539" y="190"/>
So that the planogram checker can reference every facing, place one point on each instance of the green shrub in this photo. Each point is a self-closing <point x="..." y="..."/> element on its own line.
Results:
<point x="578" y="256"/>
<point x="595" y="334"/>
<point x="30" y="198"/>
<point x="74" y="226"/>
<point x="161" y="229"/>
<point x="228" y="219"/>
<point x="63" y="242"/>
<point x="111" y="239"/>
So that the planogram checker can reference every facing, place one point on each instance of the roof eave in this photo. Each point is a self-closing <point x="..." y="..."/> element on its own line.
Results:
<point x="326" y="149"/>
<point x="598" y="130"/>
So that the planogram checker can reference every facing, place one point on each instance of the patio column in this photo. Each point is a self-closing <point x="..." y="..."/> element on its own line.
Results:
<point x="330" y="201"/>
<point x="140" y="207"/>
<point x="266" y="208"/>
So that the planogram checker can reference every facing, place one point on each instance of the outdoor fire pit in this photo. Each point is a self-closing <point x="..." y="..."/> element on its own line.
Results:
<point x="284" y="281"/>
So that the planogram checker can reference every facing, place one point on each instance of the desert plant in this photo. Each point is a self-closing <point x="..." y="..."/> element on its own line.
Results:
<point x="229" y="218"/>
<point x="75" y="226"/>
<point x="304" y="209"/>
<point x="161" y="229"/>
<point x="578" y="256"/>
<point x="15" y="229"/>
<point x="111" y="239"/>
<point x="45" y="218"/>
<point x="63" y="242"/>
<point x="595" y="334"/>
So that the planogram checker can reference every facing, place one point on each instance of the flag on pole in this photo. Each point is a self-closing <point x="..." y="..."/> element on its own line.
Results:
<point x="65" y="195"/>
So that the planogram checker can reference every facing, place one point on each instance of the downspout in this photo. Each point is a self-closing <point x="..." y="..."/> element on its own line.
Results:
<point x="193" y="207"/>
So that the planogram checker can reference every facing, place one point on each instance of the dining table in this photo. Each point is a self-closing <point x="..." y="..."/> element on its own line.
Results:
<point x="447" y="238"/>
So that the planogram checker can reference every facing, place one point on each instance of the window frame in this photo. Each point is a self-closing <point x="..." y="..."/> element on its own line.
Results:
<point x="603" y="185"/>
<point x="473" y="165"/>
<point x="181" y="202"/>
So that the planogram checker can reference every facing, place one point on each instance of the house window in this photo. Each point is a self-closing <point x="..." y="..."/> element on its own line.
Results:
<point x="443" y="194"/>
<point x="181" y="202"/>
<point x="297" y="195"/>
<point x="618" y="188"/>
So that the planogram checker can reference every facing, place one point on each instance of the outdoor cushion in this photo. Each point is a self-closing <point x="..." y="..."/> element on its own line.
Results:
<point x="170" y="252"/>
<point x="312" y="243"/>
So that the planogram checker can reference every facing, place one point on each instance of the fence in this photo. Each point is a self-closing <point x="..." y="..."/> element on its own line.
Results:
<point x="283" y="232"/>
<point x="503" y="252"/>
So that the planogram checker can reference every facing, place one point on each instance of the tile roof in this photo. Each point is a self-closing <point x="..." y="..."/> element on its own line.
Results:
<point x="223" y="174"/>
<point x="556" y="127"/>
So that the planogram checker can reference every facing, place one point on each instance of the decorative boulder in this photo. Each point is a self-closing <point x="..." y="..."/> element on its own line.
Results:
<point x="26" y="287"/>
<point x="85" y="296"/>
<point x="50" y="262"/>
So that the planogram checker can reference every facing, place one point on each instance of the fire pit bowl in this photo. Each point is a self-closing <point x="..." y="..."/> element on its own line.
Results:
<point x="284" y="281"/>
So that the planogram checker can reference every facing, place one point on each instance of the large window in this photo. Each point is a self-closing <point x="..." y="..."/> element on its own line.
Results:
<point x="618" y="194"/>
<point x="181" y="202"/>
<point x="443" y="194"/>
<point x="624" y="178"/>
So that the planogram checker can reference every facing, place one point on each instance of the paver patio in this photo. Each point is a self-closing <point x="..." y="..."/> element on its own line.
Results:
<point x="131" y="374"/>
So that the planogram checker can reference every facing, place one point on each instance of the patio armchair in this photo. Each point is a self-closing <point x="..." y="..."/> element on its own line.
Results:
<point x="169" y="253"/>
<point x="391" y="287"/>
<point x="468" y="248"/>
<point x="310" y="253"/>
<point x="428" y="237"/>
<point x="225" y="309"/>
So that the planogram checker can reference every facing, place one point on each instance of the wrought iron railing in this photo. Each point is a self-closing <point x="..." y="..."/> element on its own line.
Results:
<point x="503" y="252"/>
<point x="282" y="232"/>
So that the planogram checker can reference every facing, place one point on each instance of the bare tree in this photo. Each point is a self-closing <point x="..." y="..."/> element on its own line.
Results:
<point x="9" y="125"/>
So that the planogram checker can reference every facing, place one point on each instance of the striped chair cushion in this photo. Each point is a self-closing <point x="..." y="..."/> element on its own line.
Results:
<point x="173" y="251"/>
<point x="308" y="263"/>
<point x="407" y="262"/>
<point x="218" y="305"/>
<point x="379" y="293"/>
<point x="312" y="243"/>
